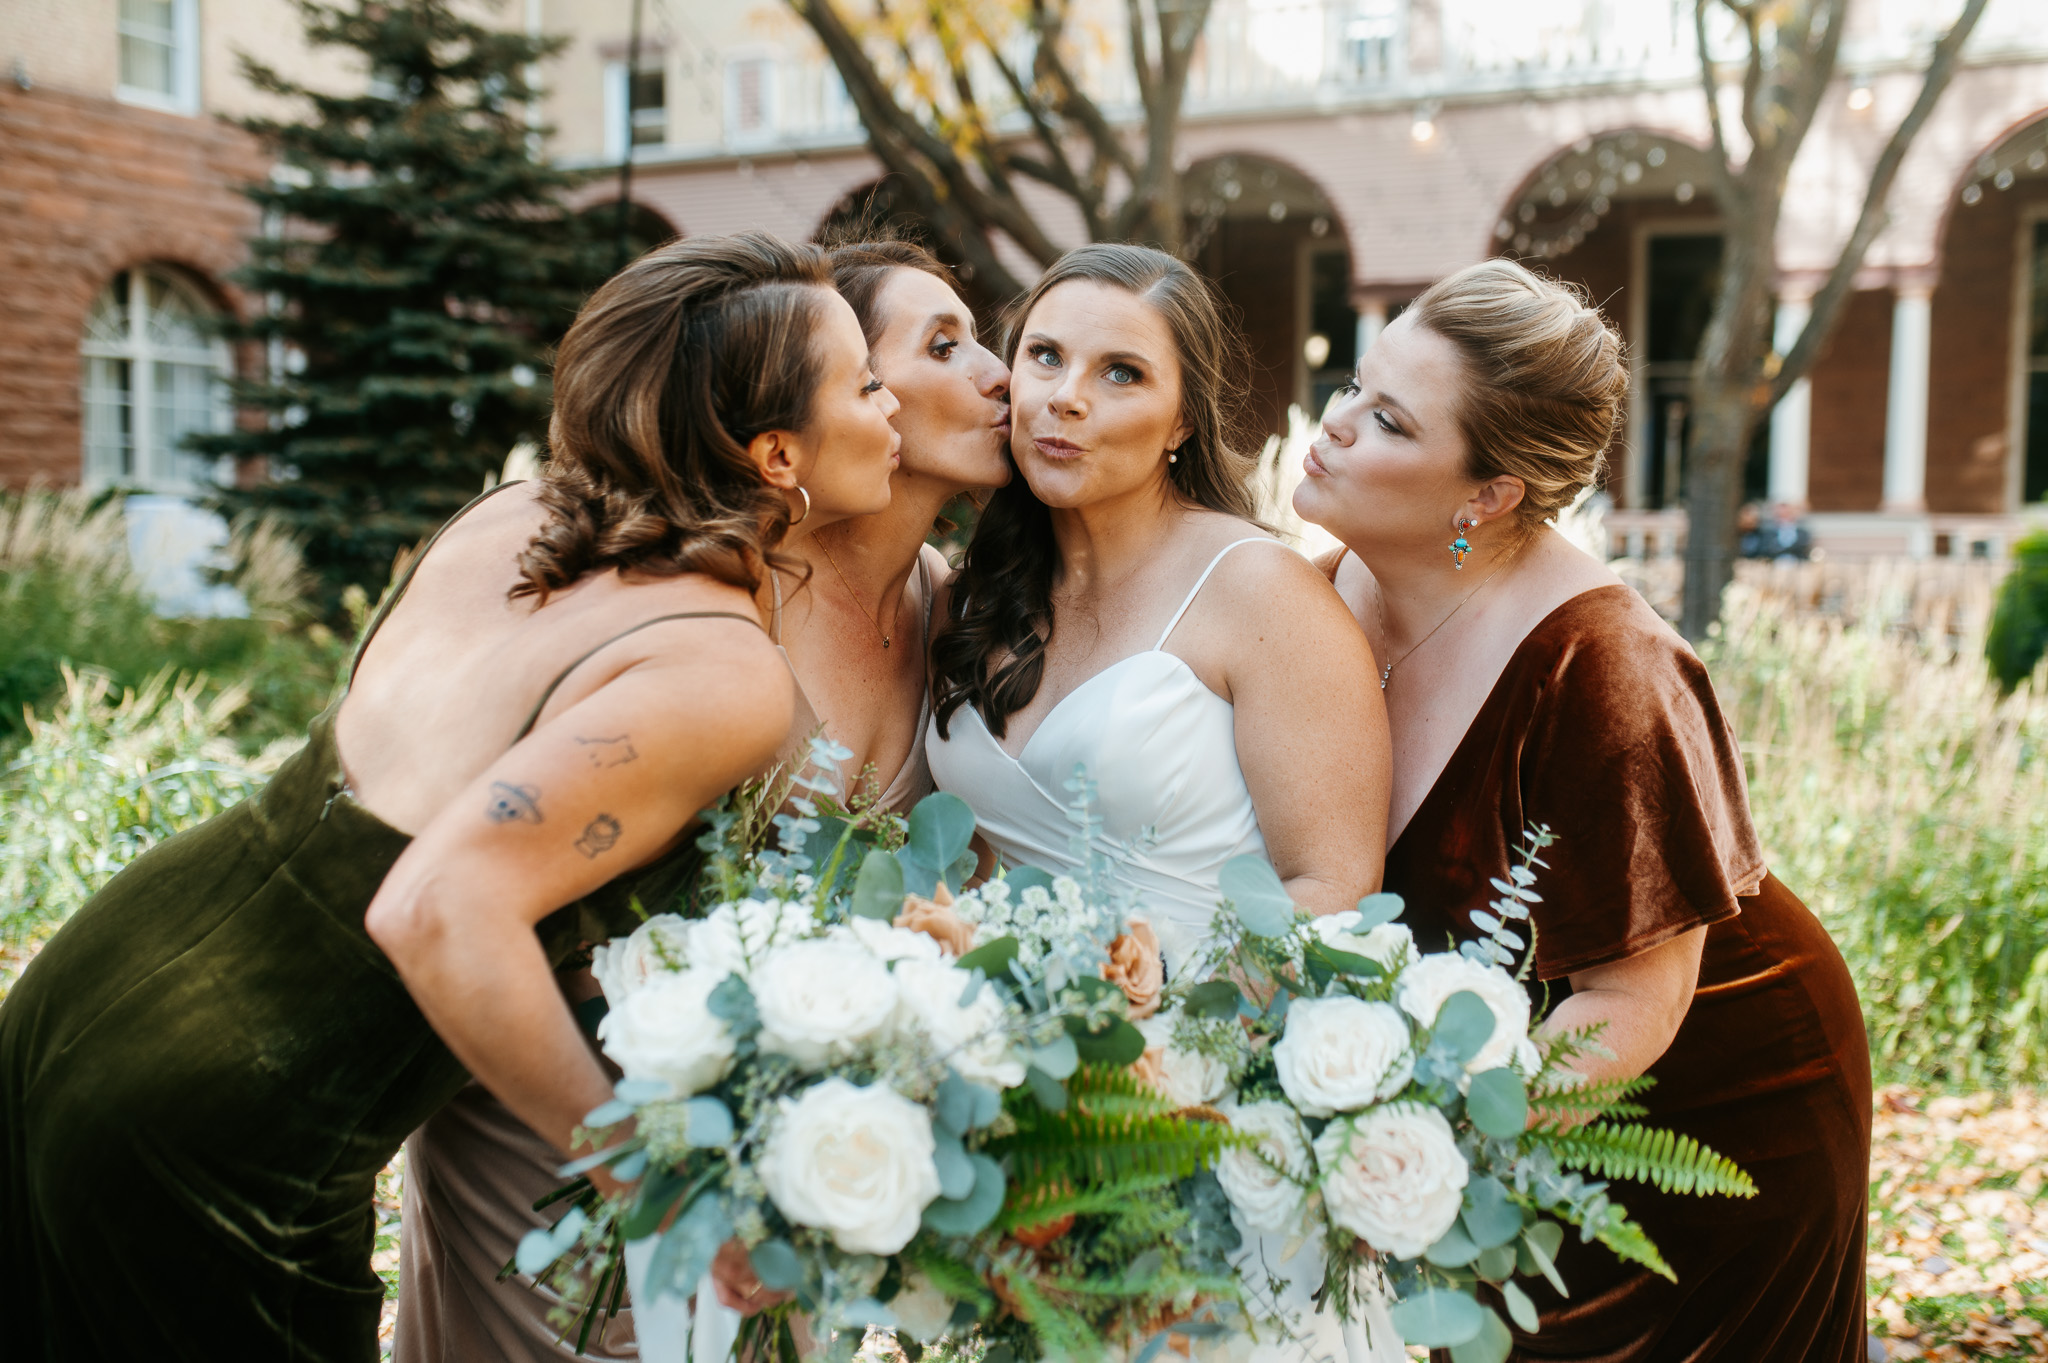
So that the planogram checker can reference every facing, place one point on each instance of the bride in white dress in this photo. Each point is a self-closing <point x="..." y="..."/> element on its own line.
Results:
<point x="1118" y="611"/>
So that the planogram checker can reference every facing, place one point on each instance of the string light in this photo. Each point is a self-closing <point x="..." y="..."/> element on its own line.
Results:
<point x="2025" y="153"/>
<point x="1570" y="197"/>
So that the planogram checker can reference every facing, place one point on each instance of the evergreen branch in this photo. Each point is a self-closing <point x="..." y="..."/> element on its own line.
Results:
<point x="1664" y="1158"/>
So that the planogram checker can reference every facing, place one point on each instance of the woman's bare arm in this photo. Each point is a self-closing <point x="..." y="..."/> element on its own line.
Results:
<point x="1642" y="1001"/>
<point x="600" y="789"/>
<point x="1311" y="727"/>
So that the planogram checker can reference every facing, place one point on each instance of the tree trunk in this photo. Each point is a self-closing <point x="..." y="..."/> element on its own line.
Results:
<point x="1724" y="419"/>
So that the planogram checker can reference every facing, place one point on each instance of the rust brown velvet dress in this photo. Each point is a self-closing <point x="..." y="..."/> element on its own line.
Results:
<point x="1604" y="726"/>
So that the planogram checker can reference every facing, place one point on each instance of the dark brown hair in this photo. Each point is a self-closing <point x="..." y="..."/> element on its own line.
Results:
<point x="861" y="268"/>
<point x="671" y="368"/>
<point x="1548" y="377"/>
<point x="991" y="651"/>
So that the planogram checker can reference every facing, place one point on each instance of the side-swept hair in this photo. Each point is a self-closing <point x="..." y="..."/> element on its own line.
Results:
<point x="670" y="369"/>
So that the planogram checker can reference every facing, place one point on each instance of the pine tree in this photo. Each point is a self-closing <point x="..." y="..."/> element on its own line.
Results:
<point x="416" y="265"/>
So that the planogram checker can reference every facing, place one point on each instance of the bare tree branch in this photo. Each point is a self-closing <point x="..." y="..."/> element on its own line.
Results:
<point x="1828" y="302"/>
<point x="1724" y="172"/>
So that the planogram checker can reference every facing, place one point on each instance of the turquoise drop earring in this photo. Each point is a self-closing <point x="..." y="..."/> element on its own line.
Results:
<point x="1461" y="546"/>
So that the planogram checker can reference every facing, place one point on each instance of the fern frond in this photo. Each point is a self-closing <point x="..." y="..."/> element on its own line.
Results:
<point x="1036" y="1204"/>
<point x="1603" y="1098"/>
<point x="1628" y="1242"/>
<point x="1065" y="1332"/>
<point x="950" y="1275"/>
<point x="1114" y="1128"/>
<point x="1673" y="1163"/>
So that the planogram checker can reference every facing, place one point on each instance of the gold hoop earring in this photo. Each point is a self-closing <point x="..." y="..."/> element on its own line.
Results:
<point x="807" y="508"/>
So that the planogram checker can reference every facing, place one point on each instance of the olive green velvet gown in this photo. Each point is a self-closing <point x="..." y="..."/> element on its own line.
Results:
<point x="202" y="1074"/>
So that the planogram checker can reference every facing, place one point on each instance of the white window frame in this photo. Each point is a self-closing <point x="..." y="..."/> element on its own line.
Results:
<point x="154" y="470"/>
<point x="765" y="61"/>
<point x="1636" y="457"/>
<point x="2023" y="364"/>
<point x="183" y="96"/>
<point x="618" y="134"/>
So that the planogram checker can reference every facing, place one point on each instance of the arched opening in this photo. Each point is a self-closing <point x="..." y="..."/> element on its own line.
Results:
<point x="154" y="373"/>
<point x="630" y="233"/>
<point x="1272" y="241"/>
<point x="881" y="208"/>
<point x="1628" y="216"/>
<point x="1987" y="429"/>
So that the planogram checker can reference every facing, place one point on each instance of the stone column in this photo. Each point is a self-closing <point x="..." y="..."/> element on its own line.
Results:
<point x="1905" y="415"/>
<point x="1792" y="418"/>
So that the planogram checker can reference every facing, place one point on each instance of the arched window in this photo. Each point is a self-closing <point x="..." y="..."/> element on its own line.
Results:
<point x="153" y="375"/>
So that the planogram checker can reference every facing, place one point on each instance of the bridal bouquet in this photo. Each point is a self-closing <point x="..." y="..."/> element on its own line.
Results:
<point x="1398" y="1110"/>
<point x="909" y="1110"/>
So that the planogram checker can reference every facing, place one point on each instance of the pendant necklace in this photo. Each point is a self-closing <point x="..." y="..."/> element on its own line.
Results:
<point x="1380" y="602"/>
<point x="875" y="619"/>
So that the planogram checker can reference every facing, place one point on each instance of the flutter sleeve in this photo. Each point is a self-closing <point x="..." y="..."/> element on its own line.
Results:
<point x="1629" y="761"/>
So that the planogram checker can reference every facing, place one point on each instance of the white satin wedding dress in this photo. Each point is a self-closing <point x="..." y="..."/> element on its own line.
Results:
<point x="1162" y="750"/>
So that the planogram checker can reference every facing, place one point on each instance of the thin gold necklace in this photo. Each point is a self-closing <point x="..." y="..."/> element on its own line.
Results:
<point x="1380" y="602"/>
<point x="872" y="617"/>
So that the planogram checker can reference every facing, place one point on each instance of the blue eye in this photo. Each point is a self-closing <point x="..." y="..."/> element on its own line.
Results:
<point x="1044" y="356"/>
<point x="1130" y="375"/>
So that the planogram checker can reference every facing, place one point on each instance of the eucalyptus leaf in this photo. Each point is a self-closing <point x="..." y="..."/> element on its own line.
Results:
<point x="708" y="1123"/>
<point x="610" y="1112"/>
<point x="991" y="958"/>
<point x="953" y="1107"/>
<point x="965" y="1216"/>
<point x="956" y="1171"/>
<point x="1058" y="1057"/>
<point x="1024" y="878"/>
<point x="1492" y="1344"/>
<point x="878" y="888"/>
<point x="1453" y="1249"/>
<point x="819" y="845"/>
<point x="962" y="870"/>
<point x="988" y="1104"/>
<point x="732" y="1003"/>
<point x="1344" y="962"/>
<point x="688" y="1247"/>
<point x="863" y="1312"/>
<point x="941" y="826"/>
<point x="1489" y="1218"/>
<point x="1212" y="999"/>
<point x="1464" y="1024"/>
<point x="589" y="1162"/>
<point x="1050" y="1092"/>
<point x="1256" y="895"/>
<point x="1537" y="1252"/>
<point x="1496" y="1265"/>
<point x="1519" y="1306"/>
<point x="920" y="877"/>
<point x="776" y="1265"/>
<point x="639" y="1091"/>
<point x="1119" y="1043"/>
<point x="631" y="1167"/>
<point x="1498" y="1103"/>
<point x="1437" y="1317"/>
<point x="657" y="1193"/>
<point x="1376" y="909"/>
<point x="1143" y="1270"/>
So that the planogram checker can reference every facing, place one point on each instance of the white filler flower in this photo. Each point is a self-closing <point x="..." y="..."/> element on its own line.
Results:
<point x="665" y="1030"/>
<point x="822" y="999"/>
<point x="887" y="942"/>
<point x="1183" y="1078"/>
<point x="734" y="937"/>
<point x="855" y="1162"/>
<point x="625" y="963"/>
<point x="1389" y="943"/>
<point x="1340" y="1054"/>
<point x="1393" y="1177"/>
<point x="974" y="1040"/>
<point x="1425" y="986"/>
<point x="1265" y="1182"/>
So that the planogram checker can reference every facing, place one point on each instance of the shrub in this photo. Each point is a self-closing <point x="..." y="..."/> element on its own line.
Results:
<point x="1906" y="800"/>
<point x="2019" y="626"/>
<point x="102" y="780"/>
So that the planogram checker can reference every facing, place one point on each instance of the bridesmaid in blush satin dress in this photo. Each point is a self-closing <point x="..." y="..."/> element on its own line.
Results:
<point x="1526" y="686"/>
<point x="1119" y="613"/>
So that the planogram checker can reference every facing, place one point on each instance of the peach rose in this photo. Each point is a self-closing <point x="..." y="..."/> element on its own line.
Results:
<point x="1134" y="967"/>
<point x="935" y="918"/>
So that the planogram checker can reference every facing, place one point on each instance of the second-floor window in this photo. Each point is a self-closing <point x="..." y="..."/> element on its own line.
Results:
<point x="636" y="107"/>
<point x="749" y="99"/>
<point x="160" y="54"/>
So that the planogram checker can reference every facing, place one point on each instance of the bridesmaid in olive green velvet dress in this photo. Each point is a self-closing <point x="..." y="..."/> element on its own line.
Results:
<point x="203" y="1072"/>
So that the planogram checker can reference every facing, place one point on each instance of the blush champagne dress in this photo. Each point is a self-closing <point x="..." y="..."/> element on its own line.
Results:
<point x="1161" y="748"/>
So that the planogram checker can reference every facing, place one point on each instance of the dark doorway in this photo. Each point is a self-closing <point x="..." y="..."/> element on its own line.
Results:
<point x="1681" y="276"/>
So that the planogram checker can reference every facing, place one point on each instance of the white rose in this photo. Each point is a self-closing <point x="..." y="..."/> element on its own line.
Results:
<point x="625" y="963"/>
<point x="1389" y="943"/>
<point x="922" y="1311"/>
<point x="855" y="1162"/>
<point x="735" y="937"/>
<point x="1265" y="1181"/>
<point x="1183" y="1078"/>
<point x="974" y="1040"/>
<point x="1425" y="985"/>
<point x="1393" y="1177"/>
<point x="1340" y="1054"/>
<point x="665" y="1030"/>
<point x="821" y="999"/>
<point x="887" y="942"/>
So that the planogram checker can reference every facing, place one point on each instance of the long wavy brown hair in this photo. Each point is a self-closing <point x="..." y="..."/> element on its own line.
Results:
<point x="991" y="651"/>
<point x="669" y="371"/>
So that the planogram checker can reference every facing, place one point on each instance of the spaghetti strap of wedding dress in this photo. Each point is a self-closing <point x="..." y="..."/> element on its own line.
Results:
<point x="1161" y="748"/>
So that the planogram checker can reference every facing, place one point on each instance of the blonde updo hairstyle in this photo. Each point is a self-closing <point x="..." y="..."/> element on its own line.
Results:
<point x="1548" y="379"/>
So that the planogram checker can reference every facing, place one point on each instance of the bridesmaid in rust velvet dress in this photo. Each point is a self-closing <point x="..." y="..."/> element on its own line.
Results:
<point x="1525" y="685"/>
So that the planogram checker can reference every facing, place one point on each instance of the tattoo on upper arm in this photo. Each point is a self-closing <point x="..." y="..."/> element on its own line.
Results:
<point x="609" y="752"/>
<point x="513" y="804"/>
<point x="601" y="836"/>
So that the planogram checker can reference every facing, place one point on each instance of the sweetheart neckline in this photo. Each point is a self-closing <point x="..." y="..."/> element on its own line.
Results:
<point x="1017" y="759"/>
